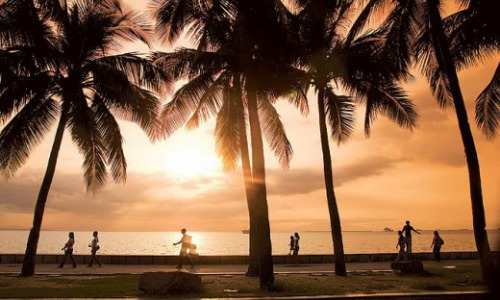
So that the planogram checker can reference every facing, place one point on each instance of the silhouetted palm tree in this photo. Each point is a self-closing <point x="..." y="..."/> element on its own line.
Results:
<point x="419" y="22"/>
<point x="473" y="34"/>
<point x="232" y="58"/>
<point x="334" y="62"/>
<point x="56" y="64"/>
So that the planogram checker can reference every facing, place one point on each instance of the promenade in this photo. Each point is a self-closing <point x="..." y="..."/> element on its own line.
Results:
<point x="452" y="279"/>
<point x="230" y="269"/>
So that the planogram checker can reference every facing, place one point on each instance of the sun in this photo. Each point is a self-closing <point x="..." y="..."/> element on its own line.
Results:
<point x="190" y="158"/>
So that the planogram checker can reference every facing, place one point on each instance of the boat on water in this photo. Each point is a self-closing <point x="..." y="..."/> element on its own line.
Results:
<point x="387" y="229"/>
<point x="245" y="231"/>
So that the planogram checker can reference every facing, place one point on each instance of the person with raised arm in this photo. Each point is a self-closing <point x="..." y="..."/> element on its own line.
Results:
<point x="407" y="229"/>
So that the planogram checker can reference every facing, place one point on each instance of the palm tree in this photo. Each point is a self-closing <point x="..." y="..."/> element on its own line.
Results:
<point x="334" y="62"/>
<point x="55" y="64"/>
<point x="419" y="22"/>
<point x="473" y="35"/>
<point x="231" y="59"/>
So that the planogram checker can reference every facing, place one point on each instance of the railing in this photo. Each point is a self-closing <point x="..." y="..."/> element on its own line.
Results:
<point x="230" y="259"/>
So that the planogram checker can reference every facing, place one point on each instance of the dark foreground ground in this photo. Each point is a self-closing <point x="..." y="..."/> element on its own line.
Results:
<point x="446" y="276"/>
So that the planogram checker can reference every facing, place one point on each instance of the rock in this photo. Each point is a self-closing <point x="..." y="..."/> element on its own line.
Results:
<point x="164" y="283"/>
<point x="408" y="266"/>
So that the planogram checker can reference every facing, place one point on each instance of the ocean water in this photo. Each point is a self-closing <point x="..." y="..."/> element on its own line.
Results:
<point x="235" y="243"/>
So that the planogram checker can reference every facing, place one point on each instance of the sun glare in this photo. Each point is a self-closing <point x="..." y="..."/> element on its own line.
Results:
<point x="189" y="158"/>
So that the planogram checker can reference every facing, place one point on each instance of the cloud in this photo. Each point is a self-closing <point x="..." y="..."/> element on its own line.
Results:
<point x="159" y="197"/>
<point x="304" y="181"/>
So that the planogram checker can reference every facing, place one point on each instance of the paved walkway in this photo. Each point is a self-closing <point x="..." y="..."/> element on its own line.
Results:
<point x="211" y="269"/>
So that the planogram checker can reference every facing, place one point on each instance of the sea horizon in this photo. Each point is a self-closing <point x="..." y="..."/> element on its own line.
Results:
<point x="234" y="242"/>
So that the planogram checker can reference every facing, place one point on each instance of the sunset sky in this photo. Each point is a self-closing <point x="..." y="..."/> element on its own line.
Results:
<point x="380" y="181"/>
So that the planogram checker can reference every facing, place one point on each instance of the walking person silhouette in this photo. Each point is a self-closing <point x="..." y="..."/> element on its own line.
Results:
<point x="292" y="245"/>
<point x="407" y="229"/>
<point x="186" y="245"/>
<point x="94" y="247"/>
<point x="68" y="250"/>
<point x="437" y="242"/>
<point x="296" y="247"/>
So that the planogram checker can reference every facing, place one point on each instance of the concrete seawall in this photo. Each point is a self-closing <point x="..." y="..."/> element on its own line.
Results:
<point x="230" y="259"/>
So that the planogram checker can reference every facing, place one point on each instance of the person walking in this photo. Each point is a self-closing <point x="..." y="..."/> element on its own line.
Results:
<point x="437" y="242"/>
<point x="292" y="245"/>
<point x="407" y="229"/>
<point x="296" y="247"/>
<point x="402" y="245"/>
<point x="186" y="245"/>
<point x="68" y="250"/>
<point x="94" y="247"/>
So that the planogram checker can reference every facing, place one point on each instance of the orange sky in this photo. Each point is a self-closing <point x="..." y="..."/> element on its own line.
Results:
<point x="381" y="181"/>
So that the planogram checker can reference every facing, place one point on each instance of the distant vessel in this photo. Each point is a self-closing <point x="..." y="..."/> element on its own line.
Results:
<point x="245" y="231"/>
<point x="387" y="229"/>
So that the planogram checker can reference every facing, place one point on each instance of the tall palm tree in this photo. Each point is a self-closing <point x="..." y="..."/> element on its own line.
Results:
<point x="56" y="64"/>
<point x="473" y="35"/>
<point x="232" y="54"/>
<point x="419" y="22"/>
<point x="336" y="61"/>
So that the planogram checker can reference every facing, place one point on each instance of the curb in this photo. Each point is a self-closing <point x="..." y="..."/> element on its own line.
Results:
<point x="464" y="295"/>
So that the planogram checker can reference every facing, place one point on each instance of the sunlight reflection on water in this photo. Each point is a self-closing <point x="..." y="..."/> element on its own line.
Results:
<point x="233" y="243"/>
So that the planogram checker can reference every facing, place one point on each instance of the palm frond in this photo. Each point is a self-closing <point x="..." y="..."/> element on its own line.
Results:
<point x="86" y="135"/>
<point x="488" y="106"/>
<point x="274" y="132"/>
<point x="366" y="57"/>
<point x="184" y="102"/>
<point x="384" y="97"/>
<point x="20" y="24"/>
<point x="112" y="139"/>
<point x="340" y="111"/>
<point x="190" y="63"/>
<point x="16" y="91"/>
<point x="473" y="34"/>
<point x="24" y="131"/>
<point x="126" y="99"/>
<point x="402" y="27"/>
<point x="210" y="102"/>
<point x="430" y="67"/>
<point x="173" y="16"/>
<point x="140" y="70"/>
<point x="363" y="19"/>
<point x="227" y="132"/>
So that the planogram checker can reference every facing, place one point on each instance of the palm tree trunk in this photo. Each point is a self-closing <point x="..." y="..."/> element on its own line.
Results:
<point x="253" y="268"/>
<point x="265" y="259"/>
<point x="338" y="247"/>
<point x="32" y="245"/>
<point x="444" y="59"/>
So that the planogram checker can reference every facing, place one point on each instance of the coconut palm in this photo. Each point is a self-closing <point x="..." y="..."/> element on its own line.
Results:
<point x="57" y="63"/>
<point x="473" y="35"/>
<point x="419" y="22"/>
<point x="344" y="69"/>
<point x="230" y="59"/>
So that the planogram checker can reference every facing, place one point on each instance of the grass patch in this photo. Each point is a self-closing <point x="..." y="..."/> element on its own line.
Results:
<point x="466" y="276"/>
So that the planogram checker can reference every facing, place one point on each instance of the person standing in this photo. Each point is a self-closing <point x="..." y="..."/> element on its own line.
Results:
<point x="94" y="247"/>
<point x="437" y="242"/>
<point x="185" y="242"/>
<point x="407" y="229"/>
<point x="296" y="247"/>
<point x="68" y="250"/>
<point x="402" y="245"/>
<point x="292" y="245"/>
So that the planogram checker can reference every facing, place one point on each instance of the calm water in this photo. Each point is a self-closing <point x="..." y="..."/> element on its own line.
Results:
<point x="233" y="243"/>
